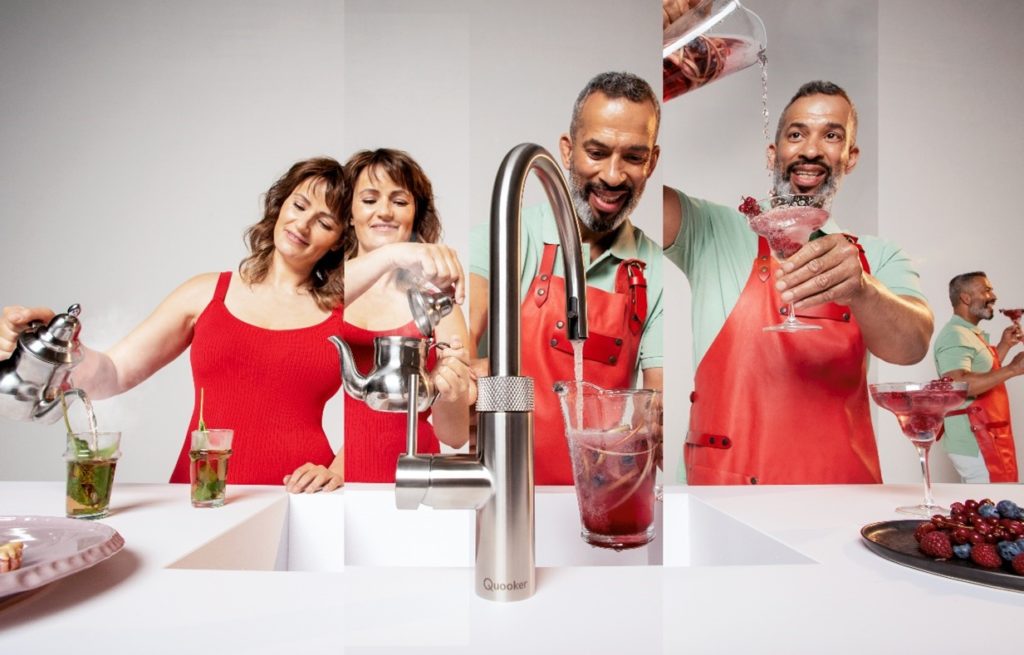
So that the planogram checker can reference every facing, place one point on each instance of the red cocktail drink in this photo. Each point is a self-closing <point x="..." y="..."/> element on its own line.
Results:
<point x="920" y="408"/>
<point x="1013" y="314"/>
<point x="614" y="437"/>
<point x="786" y="222"/>
<point x="614" y="474"/>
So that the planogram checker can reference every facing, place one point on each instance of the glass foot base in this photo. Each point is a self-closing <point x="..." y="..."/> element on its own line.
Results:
<point x="791" y="327"/>
<point x="215" y="502"/>
<point x="924" y="511"/>
<point x="618" y="541"/>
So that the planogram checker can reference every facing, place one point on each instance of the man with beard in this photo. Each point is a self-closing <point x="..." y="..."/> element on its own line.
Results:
<point x="610" y="151"/>
<point x="778" y="408"/>
<point x="979" y="436"/>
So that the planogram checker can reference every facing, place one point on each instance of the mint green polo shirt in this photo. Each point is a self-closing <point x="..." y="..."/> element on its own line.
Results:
<point x="539" y="228"/>
<point x="959" y="347"/>
<point x="716" y="248"/>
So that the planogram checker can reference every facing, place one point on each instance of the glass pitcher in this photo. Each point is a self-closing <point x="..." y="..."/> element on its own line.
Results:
<point x="710" y="41"/>
<point x="614" y="440"/>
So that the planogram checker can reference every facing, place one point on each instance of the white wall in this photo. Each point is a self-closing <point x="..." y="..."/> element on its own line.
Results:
<point x="949" y="173"/>
<point x="137" y="140"/>
<point x="144" y="134"/>
<point x="937" y="171"/>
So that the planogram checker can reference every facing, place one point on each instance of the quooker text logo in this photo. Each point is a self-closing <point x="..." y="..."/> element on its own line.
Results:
<point x="491" y="585"/>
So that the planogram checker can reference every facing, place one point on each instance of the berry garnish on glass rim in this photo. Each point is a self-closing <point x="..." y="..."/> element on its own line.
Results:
<point x="750" y="207"/>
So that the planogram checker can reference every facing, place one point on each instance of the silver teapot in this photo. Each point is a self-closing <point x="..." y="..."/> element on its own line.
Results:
<point x="386" y="387"/>
<point x="39" y="370"/>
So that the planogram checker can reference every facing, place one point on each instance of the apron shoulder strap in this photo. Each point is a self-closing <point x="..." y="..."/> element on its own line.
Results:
<point x="629" y="279"/>
<point x="860" y="250"/>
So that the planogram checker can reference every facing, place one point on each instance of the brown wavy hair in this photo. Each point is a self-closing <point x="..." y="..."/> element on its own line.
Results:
<point x="327" y="282"/>
<point x="406" y="173"/>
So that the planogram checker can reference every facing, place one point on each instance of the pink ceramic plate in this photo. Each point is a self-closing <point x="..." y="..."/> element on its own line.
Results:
<point x="54" y="548"/>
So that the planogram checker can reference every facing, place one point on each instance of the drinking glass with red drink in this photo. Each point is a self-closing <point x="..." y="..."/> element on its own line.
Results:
<point x="614" y="442"/>
<point x="920" y="409"/>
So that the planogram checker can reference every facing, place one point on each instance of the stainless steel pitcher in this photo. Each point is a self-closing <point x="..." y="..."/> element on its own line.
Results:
<point x="39" y="370"/>
<point x="386" y="387"/>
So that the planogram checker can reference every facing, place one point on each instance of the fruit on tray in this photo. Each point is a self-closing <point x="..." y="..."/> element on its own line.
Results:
<point x="989" y="534"/>
<point x="10" y="556"/>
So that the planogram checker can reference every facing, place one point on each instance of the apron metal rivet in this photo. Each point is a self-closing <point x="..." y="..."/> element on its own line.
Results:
<point x="618" y="342"/>
<point x="554" y="342"/>
<point x="544" y="278"/>
<point x="560" y="324"/>
<point x="753" y="480"/>
<point x="611" y="360"/>
<point x="540" y="292"/>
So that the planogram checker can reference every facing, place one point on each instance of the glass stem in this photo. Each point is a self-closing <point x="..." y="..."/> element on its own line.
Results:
<point x="922" y="452"/>
<point x="791" y="316"/>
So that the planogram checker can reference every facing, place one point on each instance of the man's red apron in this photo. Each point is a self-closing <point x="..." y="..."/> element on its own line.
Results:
<point x="989" y="415"/>
<point x="778" y="408"/>
<point x="615" y="321"/>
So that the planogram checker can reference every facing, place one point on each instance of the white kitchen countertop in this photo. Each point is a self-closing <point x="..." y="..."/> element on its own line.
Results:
<point x="770" y="569"/>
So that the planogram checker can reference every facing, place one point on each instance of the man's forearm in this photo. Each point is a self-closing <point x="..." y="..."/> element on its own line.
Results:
<point x="979" y="383"/>
<point x="896" y="329"/>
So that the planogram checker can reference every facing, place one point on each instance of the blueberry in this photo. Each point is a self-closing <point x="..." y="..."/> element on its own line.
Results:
<point x="598" y="480"/>
<point x="1008" y="550"/>
<point x="963" y="551"/>
<point x="628" y="460"/>
<point x="1007" y="509"/>
<point x="988" y="510"/>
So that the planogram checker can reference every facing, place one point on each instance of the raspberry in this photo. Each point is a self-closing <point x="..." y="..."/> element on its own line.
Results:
<point x="1007" y="509"/>
<point x="750" y="207"/>
<point x="962" y="551"/>
<point x="988" y="510"/>
<point x="1018" y="564"/>
<point x="936" y="544"/>
<point x="1008" y="550"/>
<point x="961" y="535"/>
<point x="987" y="556"/>
<point x="922" y="530"/>
<point x="944" y="384"/>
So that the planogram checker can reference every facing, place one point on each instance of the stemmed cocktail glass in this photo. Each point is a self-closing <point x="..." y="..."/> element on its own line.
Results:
<point x="1013" y="314"/>
<point x="787" y="221"/>
<point x="920" y="408"/>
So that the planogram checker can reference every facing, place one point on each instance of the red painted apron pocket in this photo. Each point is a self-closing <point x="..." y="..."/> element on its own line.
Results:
<point x="596" y="348"/>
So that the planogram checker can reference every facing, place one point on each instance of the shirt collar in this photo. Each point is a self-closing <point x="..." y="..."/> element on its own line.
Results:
<point x="623" y="246"/>
<point x="957" y="320"/>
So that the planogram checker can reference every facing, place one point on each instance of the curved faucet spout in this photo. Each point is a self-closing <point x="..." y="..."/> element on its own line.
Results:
<point x="506" y="205"/>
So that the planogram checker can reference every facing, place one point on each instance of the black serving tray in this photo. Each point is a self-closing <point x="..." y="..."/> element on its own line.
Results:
<point x="894" y="541"/>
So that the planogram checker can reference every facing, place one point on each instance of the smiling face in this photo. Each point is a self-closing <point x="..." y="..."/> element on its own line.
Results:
<point x="306" y="229"/>
<point x="815" y="146"/>
<point x="382" y="211"/>
<point x="609" y="158"/>
<point x="980" y="299"/>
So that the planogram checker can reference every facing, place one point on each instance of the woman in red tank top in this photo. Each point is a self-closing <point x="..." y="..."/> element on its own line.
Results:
<point x="392" y="205"/>
<point x="259" y="337"/>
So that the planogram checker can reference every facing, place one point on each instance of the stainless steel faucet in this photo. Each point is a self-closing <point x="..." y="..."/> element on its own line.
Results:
<point x="497" y="481"/>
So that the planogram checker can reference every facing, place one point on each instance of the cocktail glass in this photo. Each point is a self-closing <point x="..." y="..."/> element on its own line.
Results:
<point x="91" y="458"/>
<point x="920" y="408"/>
<point x="208" y="471"/>
<point x="1013" y="314"/>
<point x="708" y="42"/>
<point x="614" y="442"/>
<point x="787" y="222"/>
